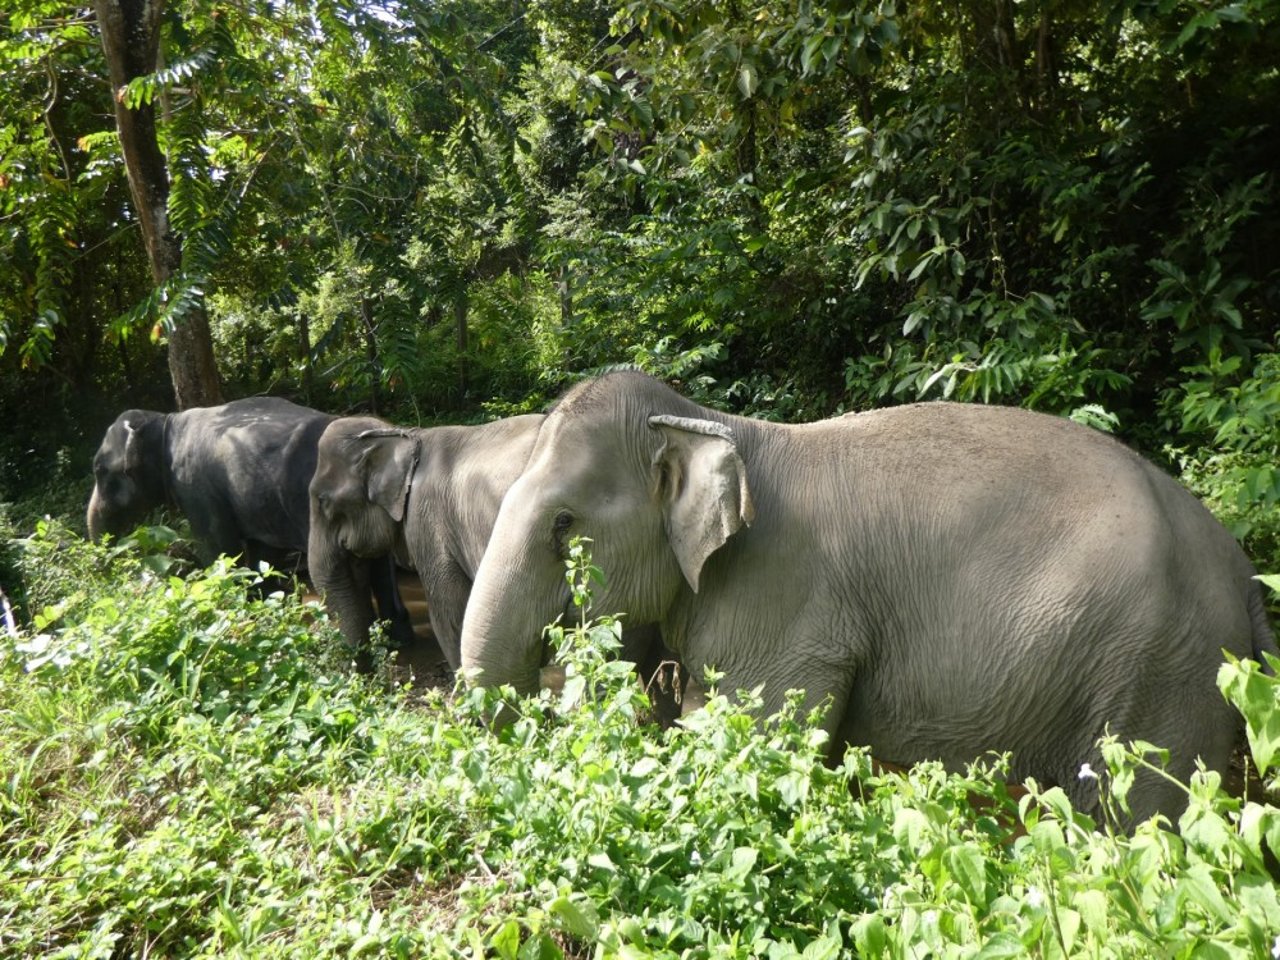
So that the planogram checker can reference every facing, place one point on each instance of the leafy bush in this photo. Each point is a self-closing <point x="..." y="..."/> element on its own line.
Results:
<point x="1234" y="460"/>
<point x="192" y="771"/>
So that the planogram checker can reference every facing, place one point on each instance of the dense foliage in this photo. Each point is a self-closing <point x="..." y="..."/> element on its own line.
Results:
<point x="792" y="208"/>
<point x="191" y="773"/>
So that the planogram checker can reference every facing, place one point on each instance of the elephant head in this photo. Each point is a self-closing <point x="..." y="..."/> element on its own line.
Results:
<point x="359" y="495"/>
<point x="129" y="473"/>
<point x="658" y="488"/>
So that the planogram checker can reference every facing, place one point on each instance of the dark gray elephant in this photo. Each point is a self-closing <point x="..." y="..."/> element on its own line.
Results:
<point x="430" y="495"/>
<point x="954" y="578"/>
<point x="239" y="473"/>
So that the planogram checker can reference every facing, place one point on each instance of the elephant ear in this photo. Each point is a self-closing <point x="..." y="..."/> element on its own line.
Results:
<point x="701" y="482"/>
<point x="390" y="459"/>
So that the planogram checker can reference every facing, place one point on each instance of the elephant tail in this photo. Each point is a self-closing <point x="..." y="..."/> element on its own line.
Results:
<point x="1264" y="640"/>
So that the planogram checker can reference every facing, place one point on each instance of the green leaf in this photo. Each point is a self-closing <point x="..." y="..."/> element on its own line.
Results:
<point x="1092" y="905"/>
<point x="506" y="940"/>
<point x="1001" y="944"/>
<point x="1257" y="696"/>
<point x="540" y="947"/>
<point x="823" y="948"/>
<point x="793" y="787"/>
<point x="576" y="915"/>
<point x="741" y="863"/>
<point x="601" y="861"/>
<point x="869" y="934"/>
<point x="967" y="867"/>
<point x="1068" y="926"/>
<point x="921" y="265"/>
<point x="1199" y="886"/>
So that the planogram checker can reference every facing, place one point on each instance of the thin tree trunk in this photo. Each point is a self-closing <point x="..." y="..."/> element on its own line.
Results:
<point x="564" y="289"/>
<point x="460" y="307"/>
<point x="304" y="349"/>
<point x="371" y="351"/>
<point x="131" y="41"/>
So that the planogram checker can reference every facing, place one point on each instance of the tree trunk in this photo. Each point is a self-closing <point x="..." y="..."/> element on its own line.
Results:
<point x="131" y="41"/>
<point x="371" y="352"/>
<point x="564" y="289"/>
<point x="460" y="307"/>
<point x="304" y="352"/>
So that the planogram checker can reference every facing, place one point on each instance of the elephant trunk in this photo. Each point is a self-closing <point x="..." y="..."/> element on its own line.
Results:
<point x="94" y="518"/>
<point x="500" y="645"/>
<point x="343" y="581"/>
<point x="104" y="517"/>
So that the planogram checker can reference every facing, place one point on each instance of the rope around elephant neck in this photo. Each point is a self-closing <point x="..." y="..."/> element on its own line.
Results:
<point x="166" y="463"/>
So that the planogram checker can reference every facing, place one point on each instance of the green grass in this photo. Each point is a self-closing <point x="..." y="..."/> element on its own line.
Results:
<point x="189" y="771"/>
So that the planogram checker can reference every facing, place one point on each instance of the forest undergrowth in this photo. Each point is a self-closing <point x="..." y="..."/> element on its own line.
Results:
<point x="193" y="770"/>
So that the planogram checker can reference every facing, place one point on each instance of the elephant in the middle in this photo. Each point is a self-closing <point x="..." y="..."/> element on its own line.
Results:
<point x="427" y="495"/>
<point x="430" y="497"/>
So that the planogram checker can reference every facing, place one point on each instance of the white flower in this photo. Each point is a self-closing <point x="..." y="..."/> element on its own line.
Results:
<point x="1275" y="948"/>
<point x="1086" y="772"/>
<point x="1035" y="898"/>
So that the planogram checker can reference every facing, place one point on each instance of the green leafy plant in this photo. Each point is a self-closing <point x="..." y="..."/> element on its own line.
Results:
<point x="193" y="771"/>
<point x="1238" y="420"/>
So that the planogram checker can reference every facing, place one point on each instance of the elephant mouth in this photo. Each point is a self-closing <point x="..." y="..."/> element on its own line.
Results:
<point x="566" y="619"/>
<point x="117" y="525"/>
<point x="356" y="550"/>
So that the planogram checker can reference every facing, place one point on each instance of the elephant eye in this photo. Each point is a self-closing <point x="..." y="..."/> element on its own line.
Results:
<point x="561" y="525"/>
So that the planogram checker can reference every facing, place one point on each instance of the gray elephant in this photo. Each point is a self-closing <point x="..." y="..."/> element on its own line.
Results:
<point x="954" y="578"/>
<point x="427" y="495"/>
<point x="239" y="473"/>
<point x="430" y="495"/>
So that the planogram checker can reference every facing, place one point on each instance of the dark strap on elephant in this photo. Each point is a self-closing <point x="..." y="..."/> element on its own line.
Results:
<point x="166" y="462"/>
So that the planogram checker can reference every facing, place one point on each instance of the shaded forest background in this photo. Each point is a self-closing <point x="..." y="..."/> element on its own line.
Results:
<point x="448" y="210"/>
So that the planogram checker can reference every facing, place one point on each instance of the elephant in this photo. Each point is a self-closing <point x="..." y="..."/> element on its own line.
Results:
<point x="429" y="495"/>
<point x="426" y="495"/>
<point x="945" y="579"/>
<point x="239" y="473"/>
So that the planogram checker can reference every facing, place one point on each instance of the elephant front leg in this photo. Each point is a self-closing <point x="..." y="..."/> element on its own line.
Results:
<point x="825" y="687"/>
<point x="447" y="593"/>
<point x="217" y="534"/>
